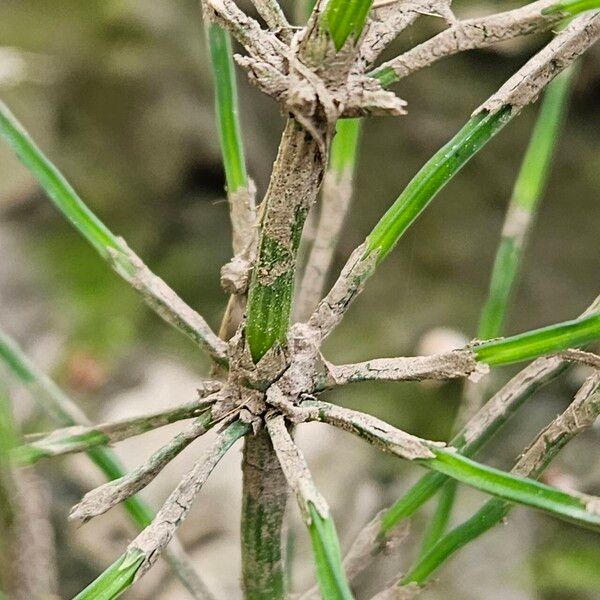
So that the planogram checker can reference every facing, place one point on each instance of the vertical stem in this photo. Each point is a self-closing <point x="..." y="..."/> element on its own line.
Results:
<point x="294" y="185"/>
<point x="263" y="507"/>
<point x="293" y="188"/>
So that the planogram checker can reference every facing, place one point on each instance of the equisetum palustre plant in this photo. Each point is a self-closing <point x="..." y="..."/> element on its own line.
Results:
<point x="270" y="375"/>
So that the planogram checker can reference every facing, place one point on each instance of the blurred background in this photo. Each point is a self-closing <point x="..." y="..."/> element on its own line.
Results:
<point x="119" y="94"/>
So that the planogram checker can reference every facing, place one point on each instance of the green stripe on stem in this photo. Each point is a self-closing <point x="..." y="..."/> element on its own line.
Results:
<point x="345" y="18"/>
<point x="572" y="8"/>
<point x="115" y="580"/>
<point x="56" y="186"/>
<point x="344" y="147"/>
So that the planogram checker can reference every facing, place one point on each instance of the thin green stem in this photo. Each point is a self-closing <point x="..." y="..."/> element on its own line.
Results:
<point x="580" y="415"/>
<point x="432" y="177"/>
<point x="527" y="193"/>
<point x="79" y="438"/>
<point x="345" y="18"/>
<point x="264" y="499"/>
<point x="145" y="549"/>
<point x="115" y="580"/>
<point x="226" y="106"/>
<point x="539" y="342"/>
<point x="572" y="7"/>
<point x="520" y="216"/>
<point x="328" y="557"/>
<point x="110" y="247"/>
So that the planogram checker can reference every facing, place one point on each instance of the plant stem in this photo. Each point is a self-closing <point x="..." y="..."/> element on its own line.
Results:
<point x="163" y="300"/>
<point x="522" y="209"/>
<point x="335" y="202"/>
<point x="580" y="415"/>
<point x="264" y="499"/>
<point x="293" y="188"/>
<point x="226" y="106"/>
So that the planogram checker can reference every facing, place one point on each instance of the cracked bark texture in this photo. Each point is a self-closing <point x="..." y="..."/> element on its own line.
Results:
<point x="108" y="495"/>
<point x="460" y="363"/>
<point x="154" y="539"/>
<point x="480" y="32"/>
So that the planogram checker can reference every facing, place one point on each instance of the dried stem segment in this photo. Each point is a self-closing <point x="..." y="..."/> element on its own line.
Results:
<point x="432" y="455"/>
<point x="103" y="498"/>
<point x="273" y="16"/>
<point x="326" y="548"/>
<point x="158" y="295"/>
<point x="580" y="415"/>
<point x="480" y="32"/>
<point x="264" y="499"/>
<point x="477" y="432"/>
<point x="151" y="542"/>
<point x="526" y="84"/>
<point x="80" y="438"/>
<point x="460" y="363"/>
<point x="65" y="412"/>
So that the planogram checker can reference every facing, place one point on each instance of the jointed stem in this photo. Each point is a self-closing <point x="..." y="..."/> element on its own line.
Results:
<point x="292" y="190"/>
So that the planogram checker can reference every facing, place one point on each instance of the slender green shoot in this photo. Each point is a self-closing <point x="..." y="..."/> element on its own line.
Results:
<point x="344" y="148"/>
<point x="523" y="205"/>
<point x="539" y="342"/>
<point x="58" y="188"/>
<point x="226" y="106"/>
<point x="579" y="416"/>
<point x="65" y="413"/>
<point x="510" y="487"/>
<point x="115" y="580"/>
<point x="432" y="177"/>
<point x="112" y="249"/>
<point x="345" y="18"/>
<point x="572" y="7"/>
<point x="520" y="217"/>
<point x="328" y="557"/>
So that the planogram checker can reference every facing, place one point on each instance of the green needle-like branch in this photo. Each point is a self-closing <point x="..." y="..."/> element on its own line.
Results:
<point x="80" y="438"/>
<point x="479" y="32"/>
<point x="335" y="202"/>
<point x="145" y="549"/>
<point x="157" y="294"/>
<point x="520" y="216"/>
<point x="520" y="90"/>
<point x="523" y="205"/>
<point x="581" y="509"/>
<point x="103" y="498"/>
<point x="315" y="513"/>
<point x="580" y="415"/>
<point x="66" y="413"/>
<point x="475" y="434"/>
